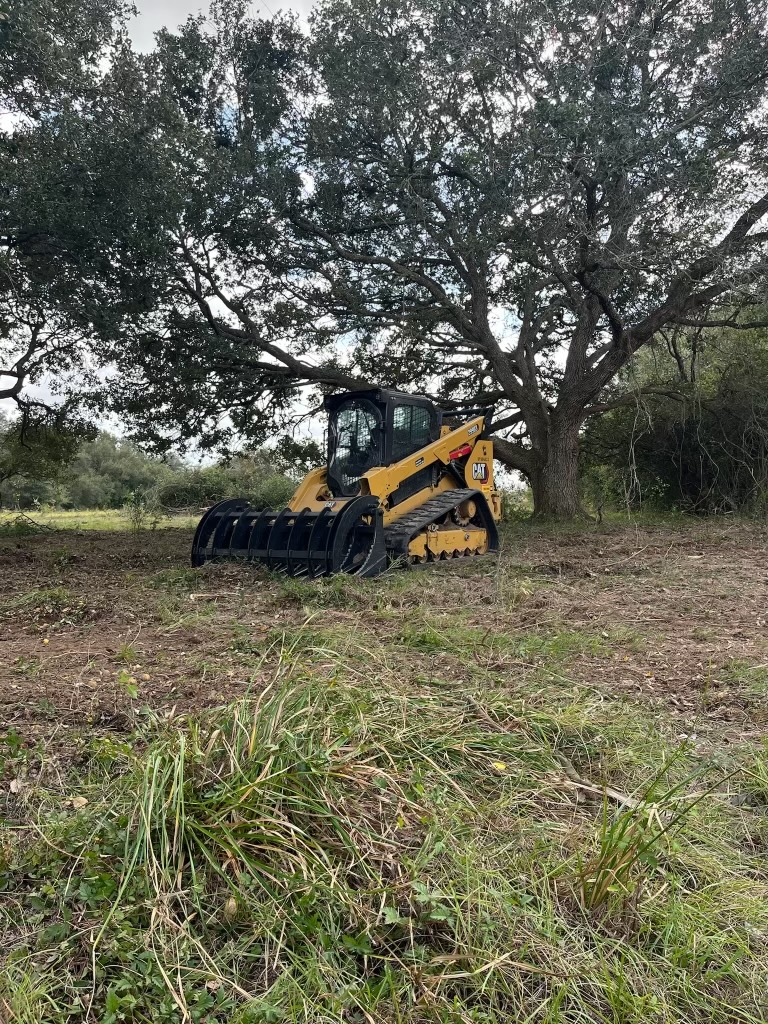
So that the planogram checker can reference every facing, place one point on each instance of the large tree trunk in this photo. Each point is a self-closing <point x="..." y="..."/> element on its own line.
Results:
<point x="555" y="482"/>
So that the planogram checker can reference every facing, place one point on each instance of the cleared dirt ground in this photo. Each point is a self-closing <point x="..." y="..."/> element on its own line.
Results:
<point x="96" y="628"/>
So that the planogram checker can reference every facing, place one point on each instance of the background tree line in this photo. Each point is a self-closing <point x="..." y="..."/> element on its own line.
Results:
<point x="689" y="429"/>
<point x="108" y="472"/>
<point x="491" y="203"/>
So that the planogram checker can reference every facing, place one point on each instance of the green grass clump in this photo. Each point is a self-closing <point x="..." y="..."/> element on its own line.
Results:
<point x="551" y="647"/>
<point x="24" y="998"/>
<point x="339" y="591"/>
<point x="40" y="601"/>
<point x="17" y="528"/>
<point x="390" y="850"/>
<point x="175" y="579"/>
<point x="50" y="597"/>
<point x="751" y="679"/>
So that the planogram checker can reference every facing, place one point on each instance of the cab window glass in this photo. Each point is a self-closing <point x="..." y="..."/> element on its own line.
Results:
<point x="411" y="430"/>
<point x="355" y="444"/>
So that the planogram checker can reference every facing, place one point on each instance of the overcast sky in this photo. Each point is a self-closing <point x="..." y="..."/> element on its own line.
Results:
<point x="154" y="14"/>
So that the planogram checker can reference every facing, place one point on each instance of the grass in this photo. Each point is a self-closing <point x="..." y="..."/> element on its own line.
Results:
<point x="86" y="519"/>
<point x="752" y="678"/>
<point x="420" y="808"/>
<point x="337" y="849"/>
<point x="44" y="600"/>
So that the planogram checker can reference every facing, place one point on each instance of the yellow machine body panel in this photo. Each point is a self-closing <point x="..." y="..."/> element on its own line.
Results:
<point x="437" y="502"/>
<point x="382" y="481"/>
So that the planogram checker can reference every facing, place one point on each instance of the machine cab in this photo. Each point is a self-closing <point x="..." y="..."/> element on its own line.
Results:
<point x="376" y="428"/>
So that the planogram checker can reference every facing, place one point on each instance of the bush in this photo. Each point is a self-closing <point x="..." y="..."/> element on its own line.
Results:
<point x="142" y="512"/>
<point x="108" y="472"/>
<point x="698" y="445"/>
<point x="198" y="488"/>
<point x="516" y="504"/>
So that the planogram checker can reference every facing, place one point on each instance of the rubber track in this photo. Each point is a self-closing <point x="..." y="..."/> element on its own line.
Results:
<point x="399" y="534"/>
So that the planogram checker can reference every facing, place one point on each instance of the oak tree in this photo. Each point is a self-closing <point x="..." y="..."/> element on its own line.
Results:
<point x="518" y="196"/>
<point x="491" y="202"/>
<point x="51" y="65"/>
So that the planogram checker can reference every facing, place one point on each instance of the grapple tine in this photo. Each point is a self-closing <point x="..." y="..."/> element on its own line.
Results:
<point x="377" y="558"/>
<point x="209" y="524"/>
<point x="240" y="539"/>
<point x="275" y="535"/>
<point x="303" y="543"/>
<point x="257" y="548"/>
<point x="220" y="545"/>
<point x="299" y="523"/>
<point x="351" y="540"/>
<point x="320" y="527"/>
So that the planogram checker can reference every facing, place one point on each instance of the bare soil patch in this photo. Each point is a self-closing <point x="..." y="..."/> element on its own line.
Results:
<point x="694" y="600"/>
<point x="97" y="628"/>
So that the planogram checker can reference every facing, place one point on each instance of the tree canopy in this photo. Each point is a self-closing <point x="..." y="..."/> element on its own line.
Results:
<point x="36" y="449"/>
<point x="52" y="55"/>
<point x="492" y="203"/>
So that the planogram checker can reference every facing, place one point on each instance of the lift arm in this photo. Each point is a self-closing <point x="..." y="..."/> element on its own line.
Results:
<point x="386" y="479"/>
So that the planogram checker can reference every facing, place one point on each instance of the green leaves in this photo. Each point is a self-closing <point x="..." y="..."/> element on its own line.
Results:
<point x="39" y="445"/>
<point x="441" y="197"/>
<point x="390" y="915"/>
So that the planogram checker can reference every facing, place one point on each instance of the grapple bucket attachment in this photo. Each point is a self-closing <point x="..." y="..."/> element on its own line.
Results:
<point x="347" y="539"/>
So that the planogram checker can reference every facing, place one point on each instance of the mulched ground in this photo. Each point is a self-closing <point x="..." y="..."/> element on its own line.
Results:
<point x="697" y="599"/>
<point x="95" y="627"/>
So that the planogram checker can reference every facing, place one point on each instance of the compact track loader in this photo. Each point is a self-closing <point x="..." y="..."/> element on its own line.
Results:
<point x="405" y="482"/>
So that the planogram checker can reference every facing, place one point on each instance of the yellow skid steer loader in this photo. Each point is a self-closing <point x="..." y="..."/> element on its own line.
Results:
<point x="405" y="482"/>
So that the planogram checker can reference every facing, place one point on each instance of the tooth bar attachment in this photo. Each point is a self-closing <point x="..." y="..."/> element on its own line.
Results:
<point x="297" y="543"/>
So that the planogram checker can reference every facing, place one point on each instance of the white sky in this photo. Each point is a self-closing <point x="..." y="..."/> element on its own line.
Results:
<point x="155" y="14"/>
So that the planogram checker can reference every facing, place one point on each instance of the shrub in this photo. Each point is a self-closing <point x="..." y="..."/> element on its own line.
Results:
<point x="516" y="504"/>
<point x="197" y="488"/>
<point x="698" y="444"/>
